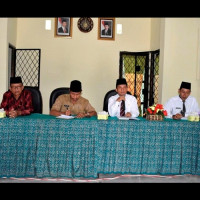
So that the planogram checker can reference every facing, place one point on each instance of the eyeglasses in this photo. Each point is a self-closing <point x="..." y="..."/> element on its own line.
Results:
<point x="16" y="87"/>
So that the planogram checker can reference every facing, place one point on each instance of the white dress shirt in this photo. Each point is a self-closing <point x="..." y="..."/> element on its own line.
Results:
<point x="175" y="104"/>
<point x="130" y="106"/>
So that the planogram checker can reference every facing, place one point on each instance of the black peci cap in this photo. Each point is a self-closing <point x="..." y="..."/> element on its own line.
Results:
<point x="121" y="81"/>
<point x="75" y="86"/>
<point x="15" y="80"/>
<point x="185" y="85"/>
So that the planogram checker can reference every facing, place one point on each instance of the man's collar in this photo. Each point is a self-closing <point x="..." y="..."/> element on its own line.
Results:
<point x="182" y="99"/>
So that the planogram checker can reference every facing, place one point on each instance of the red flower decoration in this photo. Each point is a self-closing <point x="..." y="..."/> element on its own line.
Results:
<point x="150" y="111"/>
<point x="165" y="113"/>
<point x="159" y="106"/>
<point x="157" y="109"/>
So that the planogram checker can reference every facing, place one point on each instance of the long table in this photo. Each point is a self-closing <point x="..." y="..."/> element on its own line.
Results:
<point x="44" y="146"/>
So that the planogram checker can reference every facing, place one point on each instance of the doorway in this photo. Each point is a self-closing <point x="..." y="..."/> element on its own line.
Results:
<point x="141" y="70"/>
<point x="11" y="62"/>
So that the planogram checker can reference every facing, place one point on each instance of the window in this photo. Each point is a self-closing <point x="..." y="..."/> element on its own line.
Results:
<point x="141" y="70"/>
<point x="28" y="66"/>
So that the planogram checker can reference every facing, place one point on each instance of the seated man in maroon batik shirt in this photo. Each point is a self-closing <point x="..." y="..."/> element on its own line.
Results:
<point x="17" y="101"/>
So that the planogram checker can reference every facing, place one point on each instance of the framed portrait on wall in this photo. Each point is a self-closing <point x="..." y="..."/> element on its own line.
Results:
<point x="106" y="28"/>
<point x="63" y="27"/>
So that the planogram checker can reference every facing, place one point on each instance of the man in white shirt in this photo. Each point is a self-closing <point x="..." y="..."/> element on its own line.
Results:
<point x="183" y="104"/>
<point x="114" y="102"/>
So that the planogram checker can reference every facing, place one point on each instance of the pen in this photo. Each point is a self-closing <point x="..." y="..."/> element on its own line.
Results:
<point x="66" y="106"/>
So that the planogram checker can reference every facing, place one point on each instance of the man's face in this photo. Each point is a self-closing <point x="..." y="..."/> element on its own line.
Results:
<point x="75" y="96"/>
<point x="184" y="93"/>
<point x="122" y="90"/>
<point x="16" y="89"/>
<point x="64" y="24"/>
<point x="106" y="27"/>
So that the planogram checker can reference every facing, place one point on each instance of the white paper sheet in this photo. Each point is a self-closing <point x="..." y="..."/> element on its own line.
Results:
<point x="65" y="117"/>
<point x="123" y="118"/>
<point x="128" y="118"/>
<point x="184" y="118"/>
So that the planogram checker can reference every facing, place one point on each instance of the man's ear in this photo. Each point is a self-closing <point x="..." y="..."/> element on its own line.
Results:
<point x="10" y="88"/>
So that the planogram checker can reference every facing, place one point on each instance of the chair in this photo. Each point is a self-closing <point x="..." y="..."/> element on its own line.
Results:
<point x="37" y="99"/>
<point x="57" y="92"/>
<point x="106" y="98"/>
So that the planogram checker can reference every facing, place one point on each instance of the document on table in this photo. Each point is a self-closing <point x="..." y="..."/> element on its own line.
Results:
<point x="65" y="117"/>
<point x="128" y="118"/>
<point x="184" y="118"/>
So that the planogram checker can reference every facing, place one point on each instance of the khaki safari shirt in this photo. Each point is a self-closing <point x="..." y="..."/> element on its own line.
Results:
<point x="81" y="106"/>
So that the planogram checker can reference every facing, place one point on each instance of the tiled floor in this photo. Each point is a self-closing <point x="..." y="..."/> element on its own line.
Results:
<point x="117" y="178"/>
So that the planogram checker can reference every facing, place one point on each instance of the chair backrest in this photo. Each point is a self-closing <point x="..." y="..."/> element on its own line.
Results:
<point x="106" y="98"/>
<point x="57" y="92"/>
<point x="36" y="99"/>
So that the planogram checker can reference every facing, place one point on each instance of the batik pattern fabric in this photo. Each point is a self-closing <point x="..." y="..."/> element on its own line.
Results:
<point x="43" y="146"/>
<point x="23" y="103"/>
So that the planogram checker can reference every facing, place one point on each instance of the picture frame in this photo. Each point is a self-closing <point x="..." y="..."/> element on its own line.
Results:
<point x="106" y="28"/>
<point x="61" y="24"/>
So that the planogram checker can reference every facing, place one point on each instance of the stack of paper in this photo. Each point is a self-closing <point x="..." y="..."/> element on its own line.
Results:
<point x="65" y="117"/>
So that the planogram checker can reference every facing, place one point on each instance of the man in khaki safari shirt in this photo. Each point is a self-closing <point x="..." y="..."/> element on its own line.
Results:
<point x="73" y="103"/>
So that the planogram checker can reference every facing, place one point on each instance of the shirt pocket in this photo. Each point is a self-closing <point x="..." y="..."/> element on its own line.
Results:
<point x="128" y="107"/>
<point x="176" y="110"/>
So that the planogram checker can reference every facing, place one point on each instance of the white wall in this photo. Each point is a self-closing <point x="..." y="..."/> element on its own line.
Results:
<point x="155" y="34"/>
<point x="179" y="42"/>
<point x="3" y="55"/>
<point x="7" y="35"/>
<point x="12" y="31"/>
<point x="94" y="62"/>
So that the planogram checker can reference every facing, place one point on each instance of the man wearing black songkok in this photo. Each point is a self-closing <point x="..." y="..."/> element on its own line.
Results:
<point x="183" y="104"/>
<point x="122" y="104"/>
<point x="17" y="101"/>
<point x="73" y="103"/>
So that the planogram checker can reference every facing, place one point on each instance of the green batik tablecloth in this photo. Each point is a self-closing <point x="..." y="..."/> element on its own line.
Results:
<point x="43" y="146"/>
<point x="149" y="147"/>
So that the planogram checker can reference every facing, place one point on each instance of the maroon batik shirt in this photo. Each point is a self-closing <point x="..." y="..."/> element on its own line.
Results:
<point x="23" y="103"/>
